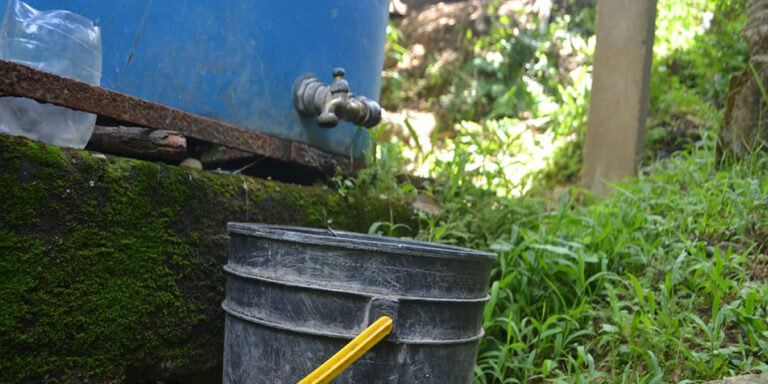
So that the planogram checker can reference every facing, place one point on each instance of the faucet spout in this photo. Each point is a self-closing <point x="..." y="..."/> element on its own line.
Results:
<point x="329" y="117"/>
<point x="334" y="102"/>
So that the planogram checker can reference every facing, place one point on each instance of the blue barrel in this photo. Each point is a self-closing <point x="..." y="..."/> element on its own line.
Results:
<point x="237" y="61"/>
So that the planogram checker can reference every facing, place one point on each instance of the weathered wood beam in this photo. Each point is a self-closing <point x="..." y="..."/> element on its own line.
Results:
<point x="139" y="142"/>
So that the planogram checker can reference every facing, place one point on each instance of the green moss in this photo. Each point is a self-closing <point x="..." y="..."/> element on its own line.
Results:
<point x="111" y="270"/>
<point x="106" y="282"/>
<point x="47" y="155"/>
<point x="22" y="202"/>
<point x="221" y="185"/>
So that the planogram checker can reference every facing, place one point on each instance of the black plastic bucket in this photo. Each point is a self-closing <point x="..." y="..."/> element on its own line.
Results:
<point x="295" y="296"/>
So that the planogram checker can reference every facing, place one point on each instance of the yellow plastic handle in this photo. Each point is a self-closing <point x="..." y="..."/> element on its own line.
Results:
<point x="351" y="352"/>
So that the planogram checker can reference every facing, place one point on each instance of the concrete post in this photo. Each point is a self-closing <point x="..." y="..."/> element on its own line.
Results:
<point x="619" y="98"/>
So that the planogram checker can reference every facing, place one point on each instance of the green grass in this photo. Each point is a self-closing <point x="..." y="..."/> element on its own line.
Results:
<point x="662" y="281"/>
<point x="634" y="287"/>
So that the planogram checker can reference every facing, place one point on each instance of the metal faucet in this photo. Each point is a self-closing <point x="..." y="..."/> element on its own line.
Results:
<point x="334" y="102"/>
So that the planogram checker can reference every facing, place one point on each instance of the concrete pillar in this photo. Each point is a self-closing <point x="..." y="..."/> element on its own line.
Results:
<point x="619" y="98"/>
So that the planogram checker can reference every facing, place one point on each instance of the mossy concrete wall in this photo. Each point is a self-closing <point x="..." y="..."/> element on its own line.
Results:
<point x="111" y="270"/>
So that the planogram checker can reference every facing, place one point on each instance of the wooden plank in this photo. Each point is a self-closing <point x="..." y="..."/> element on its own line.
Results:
<point x="619" y="98"/>
<point x="139" y="142"/>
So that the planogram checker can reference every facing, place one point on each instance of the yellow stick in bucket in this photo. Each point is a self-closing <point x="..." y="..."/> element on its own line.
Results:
<point x="351" y="352"/>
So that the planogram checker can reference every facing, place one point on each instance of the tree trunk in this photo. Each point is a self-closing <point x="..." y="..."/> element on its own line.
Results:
<point x="744" y="128"/>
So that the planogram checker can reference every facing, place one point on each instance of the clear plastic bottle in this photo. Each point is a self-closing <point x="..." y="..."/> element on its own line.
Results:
<point x="60" y="42"/>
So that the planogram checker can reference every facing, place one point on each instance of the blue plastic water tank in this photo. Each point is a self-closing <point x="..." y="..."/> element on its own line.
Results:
<point x="236" y="61"/>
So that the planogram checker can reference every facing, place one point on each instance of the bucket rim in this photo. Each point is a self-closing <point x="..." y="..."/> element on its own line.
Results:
<point x="357" y="241"/>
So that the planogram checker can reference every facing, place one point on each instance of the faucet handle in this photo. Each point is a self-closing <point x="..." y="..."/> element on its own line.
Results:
<point x="339" y="84"/>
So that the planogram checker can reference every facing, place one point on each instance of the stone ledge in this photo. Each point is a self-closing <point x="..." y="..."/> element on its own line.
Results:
<point x="111" y="269"/>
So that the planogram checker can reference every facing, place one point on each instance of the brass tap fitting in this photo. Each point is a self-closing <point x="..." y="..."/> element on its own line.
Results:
<point x="334" y="102"/>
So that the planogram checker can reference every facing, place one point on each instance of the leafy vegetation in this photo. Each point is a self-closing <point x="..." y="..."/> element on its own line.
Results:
<point x="649" y="284"/>
<point x="662" y="281"/>
<point x="697" y="49"/>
